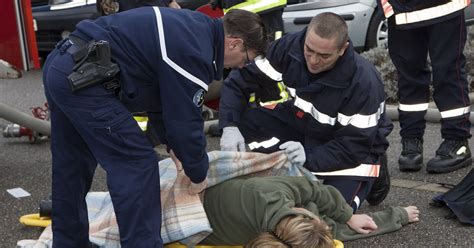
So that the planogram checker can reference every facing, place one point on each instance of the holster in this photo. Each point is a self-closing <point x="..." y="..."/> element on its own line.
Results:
<point x="93" y="66"/>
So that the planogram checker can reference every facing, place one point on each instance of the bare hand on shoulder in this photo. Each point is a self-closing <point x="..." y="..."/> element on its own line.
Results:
<point x="362" y="223"/>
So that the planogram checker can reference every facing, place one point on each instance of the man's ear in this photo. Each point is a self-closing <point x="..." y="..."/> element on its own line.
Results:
<point x="235" y="42"/>
<point x="343" y="49"/>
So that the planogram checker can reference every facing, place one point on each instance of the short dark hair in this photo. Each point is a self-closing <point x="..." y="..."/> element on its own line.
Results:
<point x="249" y="27"/>
<point x="328" y="25"/>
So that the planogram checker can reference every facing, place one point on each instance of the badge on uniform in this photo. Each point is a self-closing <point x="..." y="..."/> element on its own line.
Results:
<point x="198" y="97"/>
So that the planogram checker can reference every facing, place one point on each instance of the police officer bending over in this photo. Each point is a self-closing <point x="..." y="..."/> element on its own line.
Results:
<point x="146" y="59"/>
<point x="335" y="124"/>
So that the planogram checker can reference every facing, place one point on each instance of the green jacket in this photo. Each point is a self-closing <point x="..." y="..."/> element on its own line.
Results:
<point x="240" y="209"/>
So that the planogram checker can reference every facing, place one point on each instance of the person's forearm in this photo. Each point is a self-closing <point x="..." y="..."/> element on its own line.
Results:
<point x="388" y="220"/>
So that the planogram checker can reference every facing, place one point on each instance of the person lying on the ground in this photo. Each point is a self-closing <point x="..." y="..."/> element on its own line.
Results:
<point x="190" y="223"/>
<point x="291" y="212"/>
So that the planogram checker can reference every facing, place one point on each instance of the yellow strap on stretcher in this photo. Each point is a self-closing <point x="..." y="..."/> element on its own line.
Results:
<point x="35" y="220"/>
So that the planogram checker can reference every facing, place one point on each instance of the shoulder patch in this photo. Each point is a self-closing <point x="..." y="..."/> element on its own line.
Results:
<point x="198" y="97"/>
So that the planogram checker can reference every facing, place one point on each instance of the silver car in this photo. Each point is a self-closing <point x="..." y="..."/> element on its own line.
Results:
<point x="367" y="25"/>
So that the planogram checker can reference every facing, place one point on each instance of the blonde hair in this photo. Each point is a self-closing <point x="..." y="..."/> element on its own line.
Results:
<point x="295" y="231"/>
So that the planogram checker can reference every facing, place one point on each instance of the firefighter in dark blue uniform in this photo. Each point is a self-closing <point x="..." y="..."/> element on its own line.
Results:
<point x="418" y="28"/>
<point x="164" y="60"/>
<point x="335" y="122"/>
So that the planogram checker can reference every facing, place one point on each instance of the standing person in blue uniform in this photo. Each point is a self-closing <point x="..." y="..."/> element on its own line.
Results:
<point x="146" y="59"/>
<point x="335" y="124"/>
<point x="418" y="28"/>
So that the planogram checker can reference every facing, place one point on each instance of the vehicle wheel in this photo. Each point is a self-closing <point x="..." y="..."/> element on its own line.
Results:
<point x="377" y="34"/>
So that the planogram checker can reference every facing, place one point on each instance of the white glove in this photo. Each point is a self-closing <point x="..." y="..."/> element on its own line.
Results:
<point x="232" y="140"/>
<point x="294" y="151"/>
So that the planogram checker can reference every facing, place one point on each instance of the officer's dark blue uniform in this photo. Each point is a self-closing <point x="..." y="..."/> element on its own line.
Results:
<point x="166" y="59"/>
<point x="338" y="115"/>
<point x="414" y="32"/>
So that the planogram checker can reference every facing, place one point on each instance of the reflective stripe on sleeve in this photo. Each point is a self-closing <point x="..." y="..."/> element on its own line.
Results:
<point x="265" y="144"/>
<point x="357" y="120"/>
<point x="164" y="54"/>
<point x="310" y="109"/>
<point x="363" y="170"/>
<point x="362" y="121"/>
<point x="455" y="112"/>
<point x="431" y="13"/>
<point x="413" y="107"/>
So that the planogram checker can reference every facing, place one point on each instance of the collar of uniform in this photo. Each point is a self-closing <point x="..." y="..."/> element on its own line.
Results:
<point x="218" y="49"/>
<point x="339" y="77"/>
<point x="296" y="51"/>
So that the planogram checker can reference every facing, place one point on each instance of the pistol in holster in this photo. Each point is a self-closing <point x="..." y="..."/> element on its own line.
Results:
<point x="93" y="67"/>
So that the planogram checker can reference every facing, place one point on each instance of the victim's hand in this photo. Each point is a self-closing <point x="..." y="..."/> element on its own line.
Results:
<point x="362" y="223"/>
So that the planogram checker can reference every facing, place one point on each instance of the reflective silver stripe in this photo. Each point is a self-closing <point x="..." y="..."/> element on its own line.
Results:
<point x="357" y="201"/>
<point x="264" y="65"/>
<point x="363" y="170"/>
<point x="455" y="112"/>
<point x="357" y="120"/>
<point x="361" y="121"/>
<point x="172" y="64"/>
<point x="265" y="144"/>
<point x="413" y="107"/>
<point x="431" y="13"/>
<point x="310" y="109"/>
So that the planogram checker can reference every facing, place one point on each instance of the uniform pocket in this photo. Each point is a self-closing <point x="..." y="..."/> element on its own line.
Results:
<point x="120" y="133"/>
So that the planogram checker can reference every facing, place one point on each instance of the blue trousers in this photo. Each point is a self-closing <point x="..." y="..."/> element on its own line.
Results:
<point x="258" y="125"/>
<point x="409" y="49"/>
<point x="88" y="127"/>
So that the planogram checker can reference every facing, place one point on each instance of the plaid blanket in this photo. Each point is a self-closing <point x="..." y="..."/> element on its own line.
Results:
<point x="183" y="215"/>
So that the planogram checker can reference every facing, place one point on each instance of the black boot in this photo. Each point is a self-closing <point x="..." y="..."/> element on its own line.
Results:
<point x="381" y="186"/>
<point x="411" y="158"/>
<point x="450" y="156"/>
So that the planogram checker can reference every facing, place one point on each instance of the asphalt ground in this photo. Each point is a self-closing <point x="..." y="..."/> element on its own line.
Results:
<point x="28" y="166"/>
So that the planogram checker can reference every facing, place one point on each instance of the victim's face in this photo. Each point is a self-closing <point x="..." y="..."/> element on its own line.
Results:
<point x="321" y="54"/>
